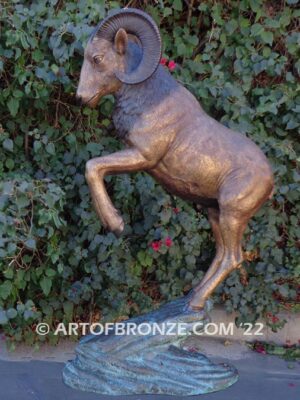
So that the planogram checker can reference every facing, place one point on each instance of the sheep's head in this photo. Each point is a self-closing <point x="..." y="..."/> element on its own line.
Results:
<point x="124" y="49"/>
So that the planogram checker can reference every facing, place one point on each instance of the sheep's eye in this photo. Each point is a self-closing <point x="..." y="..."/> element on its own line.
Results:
<point x="98" y="59"/>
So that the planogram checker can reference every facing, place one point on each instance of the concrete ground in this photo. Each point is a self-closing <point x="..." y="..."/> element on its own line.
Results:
<point x="37" y="376"/>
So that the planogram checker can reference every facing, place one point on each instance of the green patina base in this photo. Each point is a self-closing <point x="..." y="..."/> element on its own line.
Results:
<point x="153" y="364"/>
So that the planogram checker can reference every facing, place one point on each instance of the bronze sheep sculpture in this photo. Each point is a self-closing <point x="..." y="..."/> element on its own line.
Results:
<point x="168" y="134"/>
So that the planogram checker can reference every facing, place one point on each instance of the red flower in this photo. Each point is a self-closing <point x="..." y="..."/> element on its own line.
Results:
<point x="275" y="319"/>
<point x="171" y="65"/>
<point x="269" y="315"/>
<point x="176" y="210"/>
<point x="260" y="348"/>
<point x="156" y="245"/>
<point x="168" y="242"/>
<point x="163" y="61"/>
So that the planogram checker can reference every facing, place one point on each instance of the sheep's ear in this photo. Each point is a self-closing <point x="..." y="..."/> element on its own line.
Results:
<point x="121" y="41"/>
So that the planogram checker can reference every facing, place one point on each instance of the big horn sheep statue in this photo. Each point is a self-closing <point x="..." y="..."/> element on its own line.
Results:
<point x="167" y="134"/>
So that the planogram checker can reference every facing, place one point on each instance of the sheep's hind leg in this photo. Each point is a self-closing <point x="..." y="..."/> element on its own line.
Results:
<point x="232" y="228"/>
<point x="213" y="217"/>
<point x="238" y="201"/>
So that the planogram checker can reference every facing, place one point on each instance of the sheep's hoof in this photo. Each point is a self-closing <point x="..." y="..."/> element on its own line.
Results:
<point x="197" y="301"/>
<point x="118" y="232"/>
<point x="118" y="228"/>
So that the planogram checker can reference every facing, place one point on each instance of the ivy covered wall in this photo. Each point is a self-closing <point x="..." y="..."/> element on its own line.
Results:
<point x="241" y="60"/>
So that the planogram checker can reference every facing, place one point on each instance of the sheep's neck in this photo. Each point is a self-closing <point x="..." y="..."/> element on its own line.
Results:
<point x="134" y="100"/>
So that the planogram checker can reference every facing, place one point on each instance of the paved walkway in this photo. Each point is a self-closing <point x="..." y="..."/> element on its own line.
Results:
<point x="261" y="378"/>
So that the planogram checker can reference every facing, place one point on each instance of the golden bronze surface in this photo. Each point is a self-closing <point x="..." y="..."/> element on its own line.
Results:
<point x="168" y="134"/>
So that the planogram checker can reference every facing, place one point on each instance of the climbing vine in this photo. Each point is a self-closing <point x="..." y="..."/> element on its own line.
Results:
<point x="241" y="60"/>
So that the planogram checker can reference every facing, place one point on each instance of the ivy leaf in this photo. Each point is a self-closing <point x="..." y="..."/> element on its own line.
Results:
<point x="5" y="289"/>
<point x="24" y="40"/>
<point x="267" y="37"/>
<point x="8" y="144"/>
<point x="30" y="244"/>
<point x="13" y="106"/>
<point x="284" y="290"/>
<point x="255" y="5"/>
<point x="9" y="273"/>
<point x="177" y="5"/>
<point x="50" y="148"/>
<point x="3" y="317"/>
<point x="11" y="313"/>
<point x="46" y="284"/>
<point x="167" y="11"/>
<point x="68" y="309"/>
<point x="50" y="272"/>
<point x="37" y="55"/>
<point x="231" y="26"/>
<point x="256" y="29"/>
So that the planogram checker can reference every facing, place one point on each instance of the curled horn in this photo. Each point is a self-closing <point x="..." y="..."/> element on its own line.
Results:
<point x="140" y="24"/>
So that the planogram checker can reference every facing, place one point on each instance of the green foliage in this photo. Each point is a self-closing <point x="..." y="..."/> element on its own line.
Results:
<point x="241" y="60"/>
<point x="289" y="352"/>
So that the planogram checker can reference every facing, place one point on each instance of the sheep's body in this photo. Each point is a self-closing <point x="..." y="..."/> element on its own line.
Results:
<point x="164" y="120"/>
<point x="168" y="134"/>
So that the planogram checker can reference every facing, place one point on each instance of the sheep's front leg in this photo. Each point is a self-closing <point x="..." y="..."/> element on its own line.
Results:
<point x="129" y="160"/>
